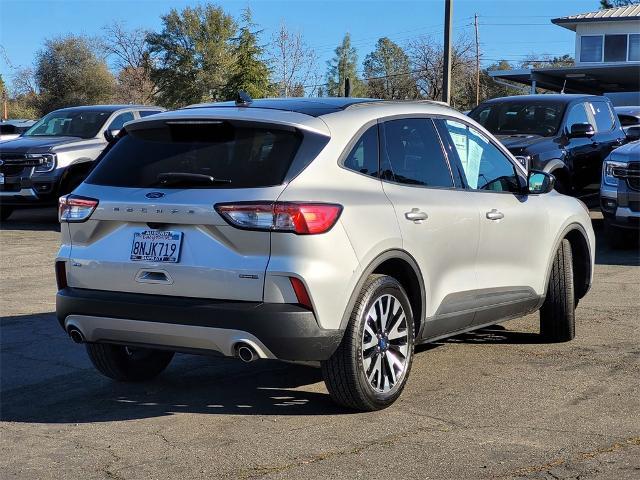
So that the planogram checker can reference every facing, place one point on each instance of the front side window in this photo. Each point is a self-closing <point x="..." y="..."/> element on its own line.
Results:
<point x="634" y="47"/>
<point x="603" y="116"/>
<point x="412" y="154"/>
<point x="118" y="122"/>
<point x="577" y="114"/>
<point x="70" y="123"/>
<point x="615" y="48"/>
<point x="485" y="166"/>
<point x="363" y="157"/>
<point x="591" y="48"/>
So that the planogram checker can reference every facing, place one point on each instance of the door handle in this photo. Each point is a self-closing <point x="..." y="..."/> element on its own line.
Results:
<point x="495" y="215"/>
<point x="416" y="215"/>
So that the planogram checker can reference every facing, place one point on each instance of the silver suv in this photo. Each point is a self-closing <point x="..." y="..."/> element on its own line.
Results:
<point x="344" y="231"/>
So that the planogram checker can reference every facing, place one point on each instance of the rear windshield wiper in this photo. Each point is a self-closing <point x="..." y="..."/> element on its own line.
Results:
<point x="173" y="178"/>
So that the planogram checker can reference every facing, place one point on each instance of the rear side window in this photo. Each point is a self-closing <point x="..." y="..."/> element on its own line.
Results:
<point x="627" y="120"/>
<point x="412" y="154"/>
<point x="363" y="157"/>
<point x="604" y="118"/>
<point x="236" y="155"/>
<point x="146" y="113"/>
<point x="118" y="122"/>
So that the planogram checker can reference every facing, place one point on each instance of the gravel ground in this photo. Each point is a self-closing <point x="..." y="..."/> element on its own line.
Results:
<point x="492" y="404"/>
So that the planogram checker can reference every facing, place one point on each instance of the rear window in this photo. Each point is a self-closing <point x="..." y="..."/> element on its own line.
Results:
<point x="236" y="156"/>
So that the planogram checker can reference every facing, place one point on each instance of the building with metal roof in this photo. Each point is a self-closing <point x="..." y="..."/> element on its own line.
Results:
<point x="607" y="57"/>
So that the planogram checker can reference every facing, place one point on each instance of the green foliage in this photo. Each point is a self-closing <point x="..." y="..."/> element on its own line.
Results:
<point x="249" y="72"/>
<point x="387" y="71"/>
<point x="68" y="72"/>
<point x="192" y="55"/>
<point x="617" y="3"/>
<point x="344" y="65"/>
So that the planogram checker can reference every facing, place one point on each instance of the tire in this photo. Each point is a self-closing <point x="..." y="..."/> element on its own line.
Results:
<point x="562" y="187"/>
<point x="128" y="364"/>
<point x="363" y="359"/>
<point x="557" y="315"/>
<point x="5" y="212"/>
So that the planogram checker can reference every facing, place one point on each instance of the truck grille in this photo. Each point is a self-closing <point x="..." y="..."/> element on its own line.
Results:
<point x="633" y="178"/>
<point x="14" y="164"/>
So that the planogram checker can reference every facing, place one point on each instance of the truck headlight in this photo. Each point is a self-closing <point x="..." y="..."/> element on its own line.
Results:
<point x="48" y="161"/>
<point x="609" y="172"/>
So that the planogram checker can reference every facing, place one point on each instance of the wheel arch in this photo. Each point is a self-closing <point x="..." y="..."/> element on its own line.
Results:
<point x="403" y="267"/>
<point x="581" y="258"/>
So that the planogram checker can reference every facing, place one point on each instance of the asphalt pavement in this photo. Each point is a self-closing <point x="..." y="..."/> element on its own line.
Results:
<point x="494" y="404"/>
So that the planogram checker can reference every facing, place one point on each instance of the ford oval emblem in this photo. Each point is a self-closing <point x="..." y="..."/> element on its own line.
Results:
<point x="154" y="195"/>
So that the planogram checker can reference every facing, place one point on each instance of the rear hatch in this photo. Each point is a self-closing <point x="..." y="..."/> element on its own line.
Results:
<point x="155" y="229"/>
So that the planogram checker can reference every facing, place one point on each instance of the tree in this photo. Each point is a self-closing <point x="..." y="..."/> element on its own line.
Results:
<point x="192" y="55"/>
<point x="490" y="88"/>
<point x="69" y="72"/>
<point x="249" y="73"/>
<point x="294" y="63"/>
<point x="387" y="71"/>
<point x="344" y="65"/>
<point x="617" y="3"/>
<point x="546" y="61"/>
<point x="427" y="58"/>
<point x="130" y="57"/>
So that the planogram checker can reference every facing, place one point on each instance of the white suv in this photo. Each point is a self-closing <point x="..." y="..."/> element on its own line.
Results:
<point x="339" y="230"/>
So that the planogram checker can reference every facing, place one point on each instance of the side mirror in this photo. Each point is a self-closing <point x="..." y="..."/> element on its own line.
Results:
<point x="582" y="130"/>
<point x="633" y="133"/>
<point x="540" y="182"/>
<point x="111" y="135"/>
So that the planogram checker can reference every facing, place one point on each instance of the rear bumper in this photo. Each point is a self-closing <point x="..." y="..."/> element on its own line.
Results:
<point x="277" y="330"/>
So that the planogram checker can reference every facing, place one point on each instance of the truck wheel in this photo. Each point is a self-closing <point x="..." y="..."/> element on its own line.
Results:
<point x="370" y="368"/>
<point x="557" y="315"/>
<point x="5" y="212"/>
<point x="128" y="364"/>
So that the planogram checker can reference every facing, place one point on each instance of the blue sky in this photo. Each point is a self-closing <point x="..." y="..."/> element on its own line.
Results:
<point x="509" y="29"/>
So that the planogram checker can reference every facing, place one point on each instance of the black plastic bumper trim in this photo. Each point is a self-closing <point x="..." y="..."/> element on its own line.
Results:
<point x="289" y="331"/>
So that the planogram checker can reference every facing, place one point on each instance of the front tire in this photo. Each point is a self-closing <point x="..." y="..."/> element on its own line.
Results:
<point x="371" y="366"/>
<point x="127" y="364"/>
<point x="557" y="315"/>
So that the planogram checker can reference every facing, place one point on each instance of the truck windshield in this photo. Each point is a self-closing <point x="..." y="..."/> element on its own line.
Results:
<point x="83" y="124"/>
<point x="512" y="118"/>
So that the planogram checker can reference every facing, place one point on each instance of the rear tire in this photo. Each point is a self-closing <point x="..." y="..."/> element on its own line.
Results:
<point x="128" y="364"/>
<point x="371" y="366"/>
<point x="557" y="315"/>
<point x="5" y="212"/>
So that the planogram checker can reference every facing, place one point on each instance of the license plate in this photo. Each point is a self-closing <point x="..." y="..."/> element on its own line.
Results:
<point x="156" y="246"/>
<point x="1" y="178"/>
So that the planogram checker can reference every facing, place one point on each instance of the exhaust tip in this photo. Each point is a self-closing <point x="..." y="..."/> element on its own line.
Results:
<point x="246" y="353"/>
<point x="76" y="335"/>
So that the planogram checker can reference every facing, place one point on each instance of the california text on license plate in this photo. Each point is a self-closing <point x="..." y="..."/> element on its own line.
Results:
<point x="156" y="246"/>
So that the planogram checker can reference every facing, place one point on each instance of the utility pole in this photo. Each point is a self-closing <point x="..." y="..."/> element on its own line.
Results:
<point x="446" y="74"/>
<point x="5" y="112"/>
<point x="347" y="87"/>
<point x="475" y="22"/>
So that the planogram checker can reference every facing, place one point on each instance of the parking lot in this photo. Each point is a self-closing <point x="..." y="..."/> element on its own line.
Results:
<point x="493" y="404"/>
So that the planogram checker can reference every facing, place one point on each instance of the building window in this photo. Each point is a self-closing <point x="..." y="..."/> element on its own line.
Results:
<point x="591" y="48"/>
<point x="615" y="48"/>
<point x="634" y="47"/>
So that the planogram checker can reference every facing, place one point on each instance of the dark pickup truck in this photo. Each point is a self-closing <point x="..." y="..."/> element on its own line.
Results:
<point x="566" y="135"/>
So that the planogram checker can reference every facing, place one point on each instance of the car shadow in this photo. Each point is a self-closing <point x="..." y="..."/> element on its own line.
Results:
<point x="34" y="219"/>
<point x="45" y="378"/>
<point x="497" y="334"/>
<point x="628" y="253"/>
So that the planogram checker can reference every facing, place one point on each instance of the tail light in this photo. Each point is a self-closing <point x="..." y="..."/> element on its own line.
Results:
<point x="301" y="292"/>
<point x="73" y="208"/>
<point x="294" y="217"/>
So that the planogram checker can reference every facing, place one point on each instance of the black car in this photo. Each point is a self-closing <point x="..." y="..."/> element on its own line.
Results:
<point x="630" y="120"/>
<point x="566" y="135"/>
